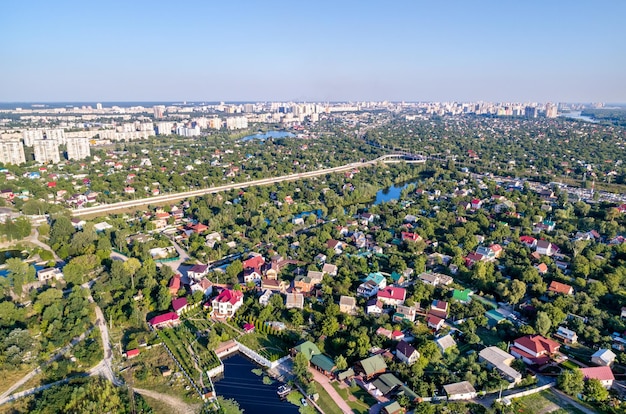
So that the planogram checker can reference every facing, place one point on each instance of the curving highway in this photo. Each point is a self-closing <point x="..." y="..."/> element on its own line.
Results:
<point x="108" y="208"/>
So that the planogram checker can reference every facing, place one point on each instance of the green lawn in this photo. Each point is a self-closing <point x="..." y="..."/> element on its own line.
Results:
<point x="569" y="365"/>
<point x="270" y="346"/>
<point x="488" y="336"/>
<point x="363" y="400"/>
<point x="326" y="403"/>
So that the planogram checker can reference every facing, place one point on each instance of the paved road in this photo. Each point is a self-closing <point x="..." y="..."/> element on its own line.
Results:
<point x="323" y="381"/>
<point x="109" y="208"/>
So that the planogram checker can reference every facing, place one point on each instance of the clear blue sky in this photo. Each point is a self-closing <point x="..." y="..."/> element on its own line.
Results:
<point x="135" y="50"/>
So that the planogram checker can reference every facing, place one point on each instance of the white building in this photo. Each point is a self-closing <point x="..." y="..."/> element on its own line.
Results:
<point x="57" y="135"/>
<point x="12" y="152"/>
<point x="77" y="148"/>
<point x="47" y="274"/>
<point x="237" y="122"/>
<point x="603" y="357"/>
<point x="46" y="150"/>
<point x="31" y="135"/>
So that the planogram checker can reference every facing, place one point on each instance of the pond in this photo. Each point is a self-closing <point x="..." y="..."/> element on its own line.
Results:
<point x="391" y="193"/>
<point x="8" y="254"/>
<point x="241" y="384"/>
<point x="268" y="134"/>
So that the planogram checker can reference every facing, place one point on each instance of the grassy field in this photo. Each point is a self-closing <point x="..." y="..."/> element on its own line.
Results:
<point x="9" y="377"/>
<point x="361" y="402"/>
<point x="488" y="337"/>
<point x="144" y="371"/>
<point x="569" y="365"/>
<point x="542" y="403"/>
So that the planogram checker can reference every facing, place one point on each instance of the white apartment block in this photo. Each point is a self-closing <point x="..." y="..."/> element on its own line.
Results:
<point x="215" y="123"/>
<point x="12" y="152"/>
<point x="46" y="150"/>
<point x="57" y="135"/>
<point x="164" y="128"/>
<point x="237" y="122"/>
<point x="30" y="135"/>
<point x="78" y="148"/>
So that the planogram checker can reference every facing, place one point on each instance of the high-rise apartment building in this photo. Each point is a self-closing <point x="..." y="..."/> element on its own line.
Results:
<point x="530" y="112"/>
<point x="12" y="152"/>
<point x="78" y="148"/>
<point x="159" y="111"/>
<point x="237" y="122"/>
<point x="30" y="135"/>
<point x="57" y="135"/>
<point x="551" y="110"/>
<point x="46" y="150"/>
<point x="98" y="106"/>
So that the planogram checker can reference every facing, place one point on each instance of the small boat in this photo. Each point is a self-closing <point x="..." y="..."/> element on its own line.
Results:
<point x="283" y="390"/>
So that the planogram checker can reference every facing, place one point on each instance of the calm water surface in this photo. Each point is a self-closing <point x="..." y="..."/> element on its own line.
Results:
<point x="241" y="384"/>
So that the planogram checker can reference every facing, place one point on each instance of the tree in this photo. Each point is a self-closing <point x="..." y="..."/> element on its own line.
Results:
<point x="595" y="391"/>
<point x="341" y="363"/>
<point x="61" y="231"/>
<point x="19" y="273"/>
<point x="296" y="317"/>
<point x="570" y="381"/>
<point x="543" y="323"/>
<point x="516" y="291"/>
<point x="229" y="406"/>
<point x="301" y="368"/>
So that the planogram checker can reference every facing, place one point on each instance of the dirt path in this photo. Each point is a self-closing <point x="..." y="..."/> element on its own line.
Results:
<point x="567" y="400"/>
<point x="179" y="406"/>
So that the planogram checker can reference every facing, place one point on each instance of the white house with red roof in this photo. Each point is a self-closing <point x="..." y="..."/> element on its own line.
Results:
<point x="562" y="288"/>
<point x="414" y="237"/>
<point x="167" y="320"/>
<point x="476" y="203"/>
<point x="434" y="322"/>
<point x="439" y="308"/>
<point x="528" y="241"/>
<point x="392" y="295"/>
<point x="534" y="349"/>
<point x="602" y="374"/>
<point x="254" y="262"/>
<point x="179" y="305"/>
<point x="226" y="303"/>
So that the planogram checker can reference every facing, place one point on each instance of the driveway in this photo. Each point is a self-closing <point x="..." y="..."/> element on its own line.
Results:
<point x="323" y="381"/>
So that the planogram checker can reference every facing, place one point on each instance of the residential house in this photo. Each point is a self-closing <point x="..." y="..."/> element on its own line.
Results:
<point x="371" y="366"/>
<point x="274" y="285"/>
<point x="204" y="285"/>
<point x="501" y="361"/>
<point x="566" y="335"/>
<point x="335" y="245"/>
<point x="315" y="357"/>
<point x="303" y="284"/>
<point x="602" y="374"/>
<point x="406" y="353"/>
<point x="411" y="237"/>
<point x="347" y="304"/>
<point x="390" y="386"/>
<point x="329" y="269"/>
<point x="534" y="349"/>
<point x="315" y="276"/>
<point x="167" y="320"/>
<point x="198" y="271"/>
<point x="255" y="261"/>
<point x="545" y="225"/>
<point x="49" y="273"/>
<point x="439" y="308"/>
<point x="405" y="313"/>
<point x="435" y="279"/>
<point x="367" y="289"/>
<point x="434" y="322"/>
<point x="445" y="342"/>
<point x="179" y="305"/>
<point x="132" y="353"/>
<point x="562" y="288"/>
<point x="603" y="357"/>
<point x="377" y="278"/>
<point x="392" y="296"/>
<point x="374" y="307"/>
<point x="546" y="248"/>
<point x="476" y="204"/>
<point x="528" y="241"/>
<point x="226" y="303"/>
<point x="212" y="239"/>
<point x="460" y="391"/>
<point x="320" y="258"/>
<point x="542" y="268"/>
<point x="264" y="299"/>
<point x="174" y="285"/>
<point x="392" y="407"/>
<point x="252" y="274"/>
<point x="489" y="253"/>
<point x="294" y="300"/>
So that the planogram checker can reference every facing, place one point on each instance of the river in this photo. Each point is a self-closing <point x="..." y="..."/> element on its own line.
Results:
<point x="268" y="134"/>
<point x="578" y="116"/>
<point x="241" y="384"/>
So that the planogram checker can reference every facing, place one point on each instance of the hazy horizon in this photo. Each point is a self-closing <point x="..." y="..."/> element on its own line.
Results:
<point x="70" y="51"/>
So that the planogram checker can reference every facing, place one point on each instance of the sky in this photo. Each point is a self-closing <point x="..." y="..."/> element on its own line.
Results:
<point x="342" y="50"/>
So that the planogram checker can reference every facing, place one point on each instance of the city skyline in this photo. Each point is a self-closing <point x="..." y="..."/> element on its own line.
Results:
<point x="279" y="51"/>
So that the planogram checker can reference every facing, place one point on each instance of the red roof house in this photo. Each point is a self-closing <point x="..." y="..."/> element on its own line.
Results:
<point x="179" y="305"/>
<point x="434" y="322"/>
<point x="534" y="349"/>
<point x="254" y="262"/>
<point x="174" y="284"/>
<point x="166" y="320"/>
<point x="411" y="236"/>
<point x="226" y="303"/>
<point x="132" y="353"/>
<point x="392" y="296"/>
<point x="602" y="374"/>
<point x="558" y="287"/>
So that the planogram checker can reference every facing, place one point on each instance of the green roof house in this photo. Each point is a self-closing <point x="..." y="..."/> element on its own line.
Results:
<point x="463" y="296"/>
<point x="372" y="366"/>
<point x="308" y="348"/>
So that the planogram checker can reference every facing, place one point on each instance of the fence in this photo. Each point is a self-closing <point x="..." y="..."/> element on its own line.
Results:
<point x="530" y="392"/>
